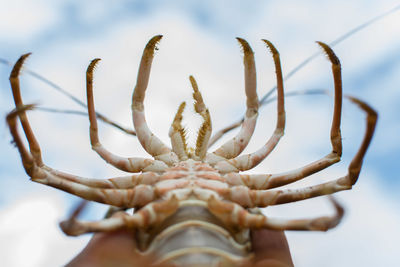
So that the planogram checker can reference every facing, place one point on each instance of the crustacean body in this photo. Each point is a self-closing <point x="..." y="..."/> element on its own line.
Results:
<point x="194" y="207"/>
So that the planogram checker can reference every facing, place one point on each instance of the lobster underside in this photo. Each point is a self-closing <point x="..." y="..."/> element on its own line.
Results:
<point x="194" y="207"/>
<point x="193" y="235"/>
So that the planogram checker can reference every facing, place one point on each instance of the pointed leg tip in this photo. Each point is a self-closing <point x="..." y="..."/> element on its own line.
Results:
<point x="197" y="97"/>
<point x="92" y="66"/>
<point x="152" y="44"/>
<point x="18" y="65"/>
<point x="24" y="56"/>
<point x="329" y="53"/>
<point x="193" y="83"/>
<point x="245" y="46"/>
<point x="270" y="47"/>
<point x="178" y="117"/>
<point x="182" y="107"/>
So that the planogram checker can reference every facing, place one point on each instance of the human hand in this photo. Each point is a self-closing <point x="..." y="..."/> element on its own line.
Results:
<point x="117" y="249"/>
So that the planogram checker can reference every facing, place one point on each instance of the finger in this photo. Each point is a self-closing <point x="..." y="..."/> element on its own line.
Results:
<point x="109" y="249"/>
<point x="271" y="263"/>
<point x="270" y="247"/>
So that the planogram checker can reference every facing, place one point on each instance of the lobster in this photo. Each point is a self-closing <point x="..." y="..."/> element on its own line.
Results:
<point x="193" y="207"/>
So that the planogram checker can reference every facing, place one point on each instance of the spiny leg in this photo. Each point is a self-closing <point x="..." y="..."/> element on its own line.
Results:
<point x="262" y="198"/>
<point x="33" y="160"/>
<point x="235" y="215"/>
<point x="204" y="133"/>
<point x="178" y="135"/>
<point x="123" y="182"/>
<point x="131" y="197"/>
<point x="236" y="145"/>
<point x="275" y="180"/>
<point x="152" y="144"/>
<point x="268" y="181"/>
<point x="14" y="81"/>
<point x="150" y="215"/>
<point x="124" y="164"/>
<point x="246" y="162"/>
<point x="137" y="196"/>
<point x="28" y="160"/>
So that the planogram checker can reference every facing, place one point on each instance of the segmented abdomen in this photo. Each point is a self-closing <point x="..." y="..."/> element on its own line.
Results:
<point x="195" y="237"/>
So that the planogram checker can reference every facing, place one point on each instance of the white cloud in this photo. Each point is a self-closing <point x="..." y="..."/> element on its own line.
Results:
<point x="21" y="20"/>
<point x="370" y="225"/>
<point x="30" y="235"/>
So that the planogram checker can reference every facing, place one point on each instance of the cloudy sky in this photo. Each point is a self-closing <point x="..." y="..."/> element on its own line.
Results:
<point x="199" y="39"/>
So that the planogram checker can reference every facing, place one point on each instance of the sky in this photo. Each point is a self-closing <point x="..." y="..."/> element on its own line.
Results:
<point x="199" y="40"/>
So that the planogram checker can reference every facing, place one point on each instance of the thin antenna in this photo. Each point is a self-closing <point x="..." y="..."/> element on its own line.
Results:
<point x="331" y="44"/>
<point x="70" y="96"/>
<point x="335" y="42"/>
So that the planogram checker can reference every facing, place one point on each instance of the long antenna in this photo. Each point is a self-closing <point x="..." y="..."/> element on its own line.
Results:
<point x="331" y="44"/>
<point x="335" y="42"/>
<point x="70" y="96"/>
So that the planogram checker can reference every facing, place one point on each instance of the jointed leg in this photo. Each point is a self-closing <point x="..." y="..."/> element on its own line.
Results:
<point x="123" y="182"/>
<point x="14" y="81"/>
<point x="236" y="145"/>
<point x="133" y="197"/>
<point x="150" y="215"/>
<point x="137" y="196"/>
<point x="35" y="151"/>
<point x="246" y="162"/>
<point x="249" y="161"/>
<point x="177" y="133"/>
<point x="124" y="164"/>
<point x="267" y="181"/>
<point x="152" y="144"/>
<point x="262" y="198"/>
<point x="204" y="133"/>
<point x="234" y="215"/>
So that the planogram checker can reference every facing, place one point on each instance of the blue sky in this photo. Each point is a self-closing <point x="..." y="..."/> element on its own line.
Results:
<point x="199" y="39"/>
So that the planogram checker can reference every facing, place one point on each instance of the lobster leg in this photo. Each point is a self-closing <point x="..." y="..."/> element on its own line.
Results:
<point x="150" y="215"/>
<point x="124" y="164"/>
<point x="123" y="182"/>
<point x="235" y="146"/>
<point x="234" y="215"/>
<point x="133" y="164"/>
<point x="31" y="165"/>
<point x="263" y="198"/>
<point x="267" y="181"/>
<point x="249" y="161"/>
<point x="152" y="144"/>
<point x="137" y="196"/>
<point x="34" y="147"/>
<point x="204" y="133"/>
<point x="178" y="135"/>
